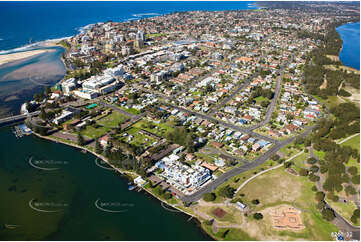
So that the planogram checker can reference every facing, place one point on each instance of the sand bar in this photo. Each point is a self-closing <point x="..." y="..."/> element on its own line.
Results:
<point x="20" y="55"/>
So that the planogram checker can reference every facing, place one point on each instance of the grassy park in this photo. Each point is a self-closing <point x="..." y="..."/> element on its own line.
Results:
<point x="103" y="125"/>
<point x="273" y="189"/>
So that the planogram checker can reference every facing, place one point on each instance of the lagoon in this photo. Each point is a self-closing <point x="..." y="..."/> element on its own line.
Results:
<point x="71" y="191"/>
<point x="350" y="53"/>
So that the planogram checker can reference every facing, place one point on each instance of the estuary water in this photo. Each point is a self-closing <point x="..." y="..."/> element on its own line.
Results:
<point x="19" y="80"/>
<point x="350" y="53"/>
<point x="66" y="196"/>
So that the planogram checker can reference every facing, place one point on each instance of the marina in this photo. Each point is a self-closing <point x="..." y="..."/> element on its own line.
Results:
<point x="21" y="130"/>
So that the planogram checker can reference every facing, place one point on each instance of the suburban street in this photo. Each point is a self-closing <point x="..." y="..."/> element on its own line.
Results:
<point x="273" y="104"/>
<point x="223" y="123"/>
<point x="247" y="166"/>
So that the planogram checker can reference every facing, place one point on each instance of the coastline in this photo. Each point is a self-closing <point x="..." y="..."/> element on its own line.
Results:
<point x="125" y="173"/>
<point x="11" y="57"/>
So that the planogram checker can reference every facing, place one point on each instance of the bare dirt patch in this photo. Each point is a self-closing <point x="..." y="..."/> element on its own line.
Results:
<point x="355" y="98"/>
<point x="285" y="217"/>
<point x="275" y="186"/>
<point x="346" y="68"/>
<point x="333" y="57"/>
<point x="324" y="84"/>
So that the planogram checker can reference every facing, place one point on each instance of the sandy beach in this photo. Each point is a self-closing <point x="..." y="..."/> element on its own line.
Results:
<point x="20" y="55"/>
<point x="53" y="42"/>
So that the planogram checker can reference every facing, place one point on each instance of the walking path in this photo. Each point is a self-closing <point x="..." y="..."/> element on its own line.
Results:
<point x="270" y="169"/>
<point x="344" y="140"/>
<point x="339" y="220"/>
<point x="262" y="172"/>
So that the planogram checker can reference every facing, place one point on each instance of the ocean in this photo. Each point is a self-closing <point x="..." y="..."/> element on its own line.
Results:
<point x="350" y="53"/>
<point x="25" y="24"/>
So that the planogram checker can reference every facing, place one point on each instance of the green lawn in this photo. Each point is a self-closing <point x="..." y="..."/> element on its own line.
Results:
<point x="330" y="102"/>
<point x="139" y="138"/>
<point x="300" y="161"/>
<point x="354" y="142"/>
<point x="107" y="123"/>
<point x="236" y="181"/>
<point x="112" y="120"/>
<point x="131" y="110"/>
<point x="232" y="235"/>
<point x="279" y="187"/>
<point x="320" y="154"/>
<point x="160" y="129"/>
<point x="155" y="35"/>
<point x="260" y="99"/>
<point x="94" y="132"/>
<point x="205" y="157"/>
<point x="353" y="162"/>
<point x="345" y="209"/>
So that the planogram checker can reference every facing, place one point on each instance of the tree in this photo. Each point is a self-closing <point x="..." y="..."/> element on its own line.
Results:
<point x="328" y="214"/>
<point x="312" y="177"/>
<point x="208" y="222"/>
<point x="265" y="103"/>
<point x="167" y="195"/>
<point x="43" y="114"/>
<point x="98" y="147"/>
<point x="47" y="90"/>
<point x="288" y="164"/>
<point x="321" y="205"/>
<point x="311" y="160"/>
<point x="320" y="196"/>
<point x="323" y="169"/>
<point x="189" y="144"/>
<point x="355" y="216"/>
<point x="352" y="170"/>
<point x="107" y="151"/>
<point x="299" y="140"/>
<point x="354" y="219"/>
<point x="314" y="168"/>
<point x="255" y="201"/>
<point x="258" y="216"/>
<point x="224" y="234"/>
<point x="227" y="191"/>
<point x="275" y="157"/>
<point x="350" y="190"/>
<point x="80" y="139"/>
<point x="355" y="179"/>
<point x="209" y="197"/>
<point x="303" y="172"/>
<point x="289" y="117"/>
